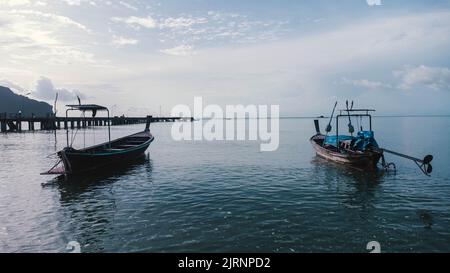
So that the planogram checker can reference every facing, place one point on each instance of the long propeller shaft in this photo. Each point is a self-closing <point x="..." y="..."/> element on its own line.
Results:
<point x="423" y="164"/>
<point x="426" y="160"/>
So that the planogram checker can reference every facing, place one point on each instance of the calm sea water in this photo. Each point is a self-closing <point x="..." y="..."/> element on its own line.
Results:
<point x="228" y="196"/>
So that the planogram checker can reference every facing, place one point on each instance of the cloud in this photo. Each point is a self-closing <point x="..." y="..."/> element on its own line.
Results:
<point x="122" y="41"/>
<point x="373" y="2"/>
<point x="223" y="27"/>
<point x="211" y="27"/>
<point x="13" y="86"/>
<point x="436" y="78"/>
<point x="73" y="2"/>
<point x="181" y="22"/>
<point x="13" y="3"/>
<point x="80" y="2"/>
<point x="182" y="50"/>
<point x="136" y="22"/>
<point x="127" y="5"/>
<point x="49" y="38"/>
<point x="50" y="16"/>
<point x="365" y="83"/>
<point x="308" y="66"/>
<point x="45" y="90"/>
<point x="167" y="23"/>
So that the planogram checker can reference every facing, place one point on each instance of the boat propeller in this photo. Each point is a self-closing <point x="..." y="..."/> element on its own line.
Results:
<point x="426" y="167"/>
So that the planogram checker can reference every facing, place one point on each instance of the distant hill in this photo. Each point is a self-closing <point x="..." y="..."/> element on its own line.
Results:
<point x="11" y="103"/>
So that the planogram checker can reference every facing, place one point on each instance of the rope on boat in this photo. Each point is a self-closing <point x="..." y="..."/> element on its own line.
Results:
<point x="75" y="135"/>
<point x="54" y="166"/>
<point x="52" y="154"/>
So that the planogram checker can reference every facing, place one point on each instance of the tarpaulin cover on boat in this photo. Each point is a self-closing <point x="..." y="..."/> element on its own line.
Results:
<point x="331" y="140"/>
<point x="365" y="139"/>
<point x="360" y="142"/>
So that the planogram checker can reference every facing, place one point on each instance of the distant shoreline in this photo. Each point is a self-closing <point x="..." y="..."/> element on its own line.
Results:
<point x="325" y="117"/>
<point x="383" y="116"/>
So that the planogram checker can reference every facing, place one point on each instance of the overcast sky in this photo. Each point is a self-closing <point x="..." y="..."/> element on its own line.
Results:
<point x="303" y="55"/>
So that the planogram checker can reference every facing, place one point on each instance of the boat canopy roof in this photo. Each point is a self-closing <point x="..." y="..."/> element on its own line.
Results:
<point x="87" y="107"/>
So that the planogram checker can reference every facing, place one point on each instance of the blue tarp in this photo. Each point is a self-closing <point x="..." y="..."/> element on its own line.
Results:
<point x="365" y="134"/>
<point x="331" y="140"/>
<point x="359" y="142"/>
<point x="365" y="138"/>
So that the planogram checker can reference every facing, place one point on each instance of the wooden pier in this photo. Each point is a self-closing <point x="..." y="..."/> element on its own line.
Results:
<point x="14" y="124"/>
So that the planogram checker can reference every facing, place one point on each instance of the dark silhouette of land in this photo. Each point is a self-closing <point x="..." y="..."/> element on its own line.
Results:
<point x="11" y="103"/>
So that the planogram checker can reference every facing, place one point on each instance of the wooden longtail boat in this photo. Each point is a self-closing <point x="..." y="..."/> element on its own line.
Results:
<point x="361" y="149"/>
<point x="364" y="159"/>
<point x="354" y="150"/>
<point x="118" y="151"/>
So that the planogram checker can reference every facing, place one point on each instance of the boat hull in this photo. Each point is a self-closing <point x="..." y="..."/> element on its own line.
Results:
<point x="360" y="159"/>
<point x="89" y="160"/>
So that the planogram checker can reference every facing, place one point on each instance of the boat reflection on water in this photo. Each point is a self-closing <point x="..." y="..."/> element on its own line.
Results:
<point x="356" y="187"/>
<point x="355" y="174"/>
<point x="92" y="199"/>
<point x="72" y="185"/>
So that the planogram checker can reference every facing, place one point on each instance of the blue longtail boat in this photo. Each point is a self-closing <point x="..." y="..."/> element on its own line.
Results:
<point x="359" y="149"/>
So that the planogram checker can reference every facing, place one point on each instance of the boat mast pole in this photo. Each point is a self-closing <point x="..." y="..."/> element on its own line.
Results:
<point x="109" y="128"/>
<point x="337" y="130"/>
<point x="67" y="127"/>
